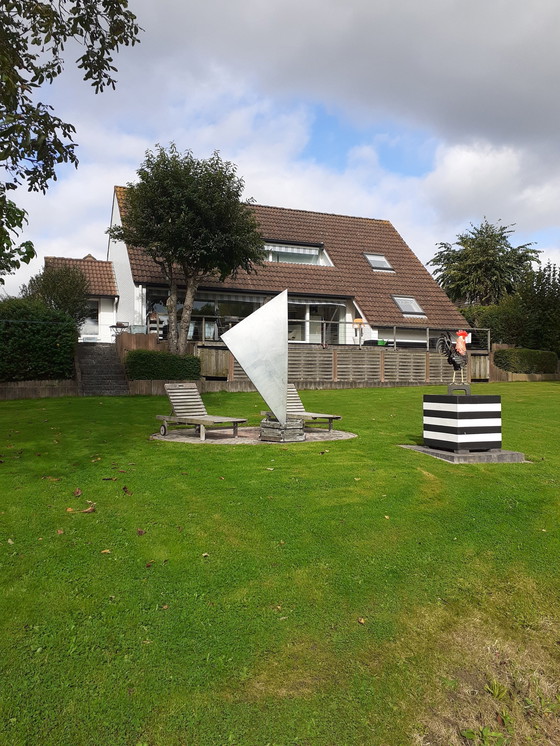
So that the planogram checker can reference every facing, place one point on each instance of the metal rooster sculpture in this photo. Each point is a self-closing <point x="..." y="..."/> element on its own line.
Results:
<point x="456" y="352"/>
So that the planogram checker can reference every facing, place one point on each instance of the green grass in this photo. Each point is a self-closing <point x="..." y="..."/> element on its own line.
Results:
<point x="336" y="593"/>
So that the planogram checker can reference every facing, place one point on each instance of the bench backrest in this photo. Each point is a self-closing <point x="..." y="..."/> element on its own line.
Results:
<point x="185" y="400"/>
<point x="294" y="404"/>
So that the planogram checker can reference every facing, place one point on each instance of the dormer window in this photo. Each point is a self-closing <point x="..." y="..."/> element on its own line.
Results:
<point x="298" y="254"/>
<point x="409" y="306"/>
<point x="379" y="262"/>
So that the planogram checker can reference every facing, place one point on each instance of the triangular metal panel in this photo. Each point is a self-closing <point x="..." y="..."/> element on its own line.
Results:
<point x="260" y="345"/>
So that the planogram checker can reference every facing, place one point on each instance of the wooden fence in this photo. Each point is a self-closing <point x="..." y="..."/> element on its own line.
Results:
<point x="342" y="367"/>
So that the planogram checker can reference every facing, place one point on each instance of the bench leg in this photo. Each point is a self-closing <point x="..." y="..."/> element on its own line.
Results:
<point x="235" y="426"/>
<point x="330" y="425"/>
<point x="202" y="432"/>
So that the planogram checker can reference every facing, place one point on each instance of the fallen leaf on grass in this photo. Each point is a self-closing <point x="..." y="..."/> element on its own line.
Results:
<point x="165" y="606"/>
<point x="140" y="531"/>
<point x="205" y="554"/>
<point x="69" y="510"/>
<point x="109" y="479"/>
<point x="105" y="551"/>
<point x="126" y="490"/>
<point x="357" y="479"/>
<point x="361" y="620"/>
<point x="387" y="517"/>
<point x="270" y="468"/>
<point x="148" y="564"/>
<point x="10" y="541"/>
<point x="91" y="508"/>
<point x="52" y="479"/>
<point x="59" y="531"/>
<point x="77" y="492"/>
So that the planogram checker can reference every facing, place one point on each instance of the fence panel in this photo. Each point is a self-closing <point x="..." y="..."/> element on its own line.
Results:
<point x="351" y="364"/>
<point x="355" y="364"/>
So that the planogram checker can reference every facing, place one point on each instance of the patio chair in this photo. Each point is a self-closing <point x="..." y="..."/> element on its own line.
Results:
<point x="295" y="408"/>
<point x="189" y="409"/>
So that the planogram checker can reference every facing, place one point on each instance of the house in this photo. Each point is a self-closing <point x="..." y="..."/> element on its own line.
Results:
<point x="350" y="280"/>
<point x="104" y="296"/>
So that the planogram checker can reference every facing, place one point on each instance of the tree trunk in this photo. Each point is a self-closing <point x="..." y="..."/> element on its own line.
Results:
<point x="172" y="335"/>
<point x="190" y="290"/>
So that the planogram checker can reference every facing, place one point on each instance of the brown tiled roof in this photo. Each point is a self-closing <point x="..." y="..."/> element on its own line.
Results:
<point x="345" y="239"/>
<point x="100" y="275"/>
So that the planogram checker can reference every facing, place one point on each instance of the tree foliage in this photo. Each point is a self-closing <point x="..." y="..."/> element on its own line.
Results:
<point x="528" y="318"/>
<point x="63" y="289"/>
<point x="33" y="141"/>
<point x="482" y="266"/>
<point x="188" y="215"/>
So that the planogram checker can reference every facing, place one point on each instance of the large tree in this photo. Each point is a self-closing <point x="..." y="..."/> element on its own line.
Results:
<point x="33" y="141"/>
<point x="61" y="289"/>
<point x="482" y="266"/>
<point x="188" y="215"/>
<point x="530" y="317"/>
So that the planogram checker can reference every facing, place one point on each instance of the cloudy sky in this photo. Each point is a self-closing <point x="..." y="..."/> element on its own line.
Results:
<point x="429" y="114"/>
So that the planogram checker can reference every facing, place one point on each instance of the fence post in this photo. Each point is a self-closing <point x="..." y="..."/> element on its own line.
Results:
<point x="382" y="366"/>
<point x="427" y="366"/>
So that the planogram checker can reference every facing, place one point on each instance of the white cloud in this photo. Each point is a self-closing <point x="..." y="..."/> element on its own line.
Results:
<point x="245" y="77"/>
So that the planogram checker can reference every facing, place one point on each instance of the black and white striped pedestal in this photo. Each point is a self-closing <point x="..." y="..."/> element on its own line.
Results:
<point x="462" y="423"/>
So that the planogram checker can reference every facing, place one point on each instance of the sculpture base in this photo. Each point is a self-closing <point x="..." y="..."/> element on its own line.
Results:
<point x="478" y="457"/>
<point x="274" y="431"/>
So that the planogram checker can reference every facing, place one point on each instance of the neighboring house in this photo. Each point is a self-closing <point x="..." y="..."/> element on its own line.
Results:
<point x="337" y="269"/>
<point x="104" y="296"/>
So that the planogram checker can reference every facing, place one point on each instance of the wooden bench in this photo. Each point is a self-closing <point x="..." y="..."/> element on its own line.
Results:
<point x="189" y="409"/>
<point x="295" y="408"/>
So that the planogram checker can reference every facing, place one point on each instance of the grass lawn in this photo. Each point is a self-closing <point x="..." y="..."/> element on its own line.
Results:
<point x="349" y="592"/>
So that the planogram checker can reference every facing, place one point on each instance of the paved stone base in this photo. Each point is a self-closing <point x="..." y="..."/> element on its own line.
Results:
<point x="291" y="432"/>
<point x="473" y="457"/>
<point x="246" y="436"/>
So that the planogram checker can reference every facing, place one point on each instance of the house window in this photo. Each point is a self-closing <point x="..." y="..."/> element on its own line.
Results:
<point x="379" y="262"/>
<point x="90" y="327"/>
<point x="297" y="254"/>
<point x="409" y="306"/>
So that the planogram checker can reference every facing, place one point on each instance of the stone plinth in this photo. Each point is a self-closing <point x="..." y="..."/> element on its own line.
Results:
<point x="274" y="431"/>
<point x="462" y="423"/>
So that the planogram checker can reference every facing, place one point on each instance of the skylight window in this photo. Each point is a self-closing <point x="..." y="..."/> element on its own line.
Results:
<point x="379" y="262"/>
<point x="408" y="305"/>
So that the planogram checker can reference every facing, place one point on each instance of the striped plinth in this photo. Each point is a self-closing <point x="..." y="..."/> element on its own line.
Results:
<point x="462" y="423"/>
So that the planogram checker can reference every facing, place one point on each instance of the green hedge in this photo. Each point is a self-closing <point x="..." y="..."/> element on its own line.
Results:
<point x="36" y="343"/>
<point x="145" y="365"/>
<point x="520" y="360"/>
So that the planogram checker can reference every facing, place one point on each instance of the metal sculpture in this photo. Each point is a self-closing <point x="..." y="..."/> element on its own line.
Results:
<point x="260" y="345"/>
<point x="456" y="352"/>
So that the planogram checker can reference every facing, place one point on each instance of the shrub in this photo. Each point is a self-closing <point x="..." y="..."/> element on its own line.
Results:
<point x="520" y="360"/>
<point x="161" y="366"/>
<point x="37" y="343"/>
